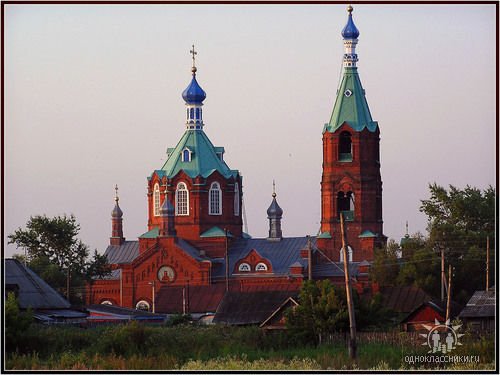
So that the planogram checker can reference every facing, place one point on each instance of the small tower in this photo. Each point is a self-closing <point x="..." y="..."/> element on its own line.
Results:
<point x="274" y="214"/>
<point x="116" y="223"/>
<point x="167" y="213"/>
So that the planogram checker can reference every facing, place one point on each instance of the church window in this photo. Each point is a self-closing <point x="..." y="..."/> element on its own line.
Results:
<point x="181" y="200"/>
<point x="106" y="302"/>
<point x="142" y="305"/>
<point x="345" y="205"/>
<point x="197" y="113"/>
<point x="244" y="267"/>
<point x="191" y="114"/>
<point x="261" y="267"/>
<point x="349" y="254"/>
<point x="236" y="199"/>
<point x="215" y="199"/>
<point x="186" y="155"/>
<point x="156" y="200"/>
<point x="345" y="147"/>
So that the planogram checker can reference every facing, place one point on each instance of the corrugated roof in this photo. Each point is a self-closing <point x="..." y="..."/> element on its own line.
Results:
<point x="250" y="307"/>
<point x="282" y="254"/>
<point x="121" y="311"/>
<point x="481" y="305"/>
<point x="334" y="270"/>
<point x="32" y="290"/>
<point x="124" y="253"/>
<point x="199" y="299"/>
<point x="403" y="299"/>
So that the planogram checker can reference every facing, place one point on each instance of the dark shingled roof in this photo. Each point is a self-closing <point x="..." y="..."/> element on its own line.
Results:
<point x="32" y="291"/>
<point x="200" y="299"/>
<point x="481" y="305"/>
<point x="250" y="307"/>
<point x="403" y="299"/>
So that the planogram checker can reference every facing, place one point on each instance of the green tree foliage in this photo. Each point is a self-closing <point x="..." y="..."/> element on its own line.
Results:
<point x="16" y="323"/>
<point x="459" y="220"/>
<point x="56" y="254"/>
<point x="322" y="311"/>
<point x="385" y="265"/>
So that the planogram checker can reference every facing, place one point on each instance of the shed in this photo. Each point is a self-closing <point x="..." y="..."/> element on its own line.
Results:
<point x="479" y="313"/>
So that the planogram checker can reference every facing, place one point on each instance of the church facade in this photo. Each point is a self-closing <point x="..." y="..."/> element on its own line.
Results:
<point x="195" y="251"/>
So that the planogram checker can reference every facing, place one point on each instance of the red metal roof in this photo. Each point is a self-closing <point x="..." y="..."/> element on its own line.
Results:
<point x="198" y="299"/>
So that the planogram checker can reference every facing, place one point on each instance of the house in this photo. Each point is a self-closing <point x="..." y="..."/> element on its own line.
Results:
<point x="479" y="313"/>
<point x="426" y="314"/>
<point x="33" y="293"/>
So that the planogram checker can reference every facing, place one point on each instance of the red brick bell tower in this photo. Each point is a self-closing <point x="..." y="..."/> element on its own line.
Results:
<point x="351" y="182"/>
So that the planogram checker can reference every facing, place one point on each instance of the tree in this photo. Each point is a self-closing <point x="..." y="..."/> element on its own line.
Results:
<point x="53" y="250"/>
<point x="385" y="267"/>
<point x="16" y="323"/>
<point x="322" y="310"/>
<point x="459" y="222"/>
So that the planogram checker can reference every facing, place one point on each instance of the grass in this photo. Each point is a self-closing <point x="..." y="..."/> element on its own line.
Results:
<point x="140" y="347"/>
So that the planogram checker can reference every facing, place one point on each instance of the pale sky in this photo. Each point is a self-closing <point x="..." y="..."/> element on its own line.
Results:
<point x="93" y="99"/>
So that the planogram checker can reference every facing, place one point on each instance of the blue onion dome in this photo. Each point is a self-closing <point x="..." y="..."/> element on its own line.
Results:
<point x="117" y="212"/>
<point x="194" y="94"/>
<point x="274" y="211"/>
<point x="350" y="30"/>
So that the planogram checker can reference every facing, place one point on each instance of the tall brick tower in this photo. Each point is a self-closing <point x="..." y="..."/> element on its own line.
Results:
<point x="351" y="181"/>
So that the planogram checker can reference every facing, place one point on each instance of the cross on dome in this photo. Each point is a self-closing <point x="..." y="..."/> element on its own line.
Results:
<point x="194" y="53"/>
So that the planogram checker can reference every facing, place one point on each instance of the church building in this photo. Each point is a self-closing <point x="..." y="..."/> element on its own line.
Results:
<point x="195" y="254"/>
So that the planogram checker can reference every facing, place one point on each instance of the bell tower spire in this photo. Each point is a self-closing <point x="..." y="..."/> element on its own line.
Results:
<point x="351" y="184"/>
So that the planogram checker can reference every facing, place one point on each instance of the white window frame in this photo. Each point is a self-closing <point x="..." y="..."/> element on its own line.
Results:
<point x="349" y="254"/>
<point x="142" y="302"/>
<point x="215" y="199"/>
<point x="156" y="199"/>
<point x="189" y="155"/>
<point x="107" y="302"/>
<point x="244" y="267"/>
<point x="261" y="267"/>
<point x="181" y="206"/>
<point x="236" y="199"/>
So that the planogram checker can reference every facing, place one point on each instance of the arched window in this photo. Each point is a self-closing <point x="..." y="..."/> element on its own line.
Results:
<point x="142" y="305"/>
<point x="181" y="200"/>
<point x="261" y="267"/>
<point x="236" y="199"/>
<point x="156" y="200"/>
<point x="349" y="254"/>
<point x="186" y="155"/>
<point x="345" y="147"/>
<point x="106" y="302"/>
<point x="197" y="113"/>
<point x="244" y="267"/>
<point x="215" y="199"/>
<point x="345" y="204"/>
<point x="191" y="114"/>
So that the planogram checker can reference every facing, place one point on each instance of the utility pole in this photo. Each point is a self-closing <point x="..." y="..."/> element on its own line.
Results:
<point x="184" y="300"/>
<point x="487" y="262"/>
<point x="442" y="274"/>
<point x="309" y="259"/>
<point x="226" y="261"/>
<point x="449" y="295"/>
<point x="352" y="320"/>
<point x="153" y="296"/>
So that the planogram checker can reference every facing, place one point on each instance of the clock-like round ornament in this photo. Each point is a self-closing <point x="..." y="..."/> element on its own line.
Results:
<point x="166" y="274"/>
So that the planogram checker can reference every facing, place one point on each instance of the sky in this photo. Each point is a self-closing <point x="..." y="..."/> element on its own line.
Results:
<point x="92" y="98"/>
